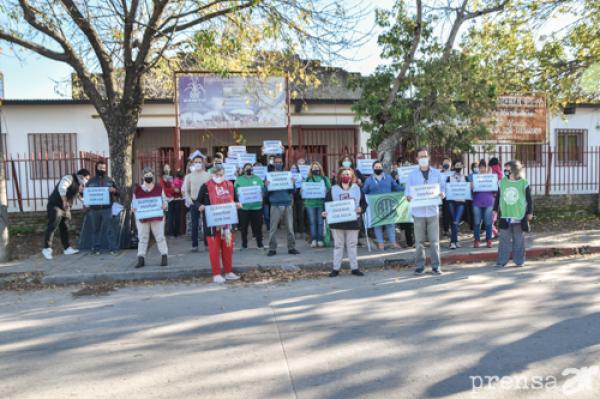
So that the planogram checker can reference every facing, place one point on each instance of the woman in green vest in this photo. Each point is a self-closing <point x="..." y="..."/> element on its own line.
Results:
<point x="250" y="190"/>
<point x="514" y="208"/>
<point x="315" y="206"/>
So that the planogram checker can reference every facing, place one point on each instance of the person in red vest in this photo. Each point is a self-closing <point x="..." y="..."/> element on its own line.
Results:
<point x="220" y="238"/>
<point x="156" y="224"/>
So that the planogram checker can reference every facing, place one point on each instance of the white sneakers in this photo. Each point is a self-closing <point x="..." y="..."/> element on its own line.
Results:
<point x="313" y="244"/>
<point x="71" y="251"/>
<point x="47" y="252"/>
<point x="452" y="246"/>
<point x="218" y="279"/>
<point x="320" y="244"/>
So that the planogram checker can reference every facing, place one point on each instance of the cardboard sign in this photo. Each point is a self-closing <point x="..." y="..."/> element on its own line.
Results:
<point x="485" y="182"/>
<point x="250" y="194"/>
<point x="365" y="166"/>
<point x="146" y="208"/>
<point x="340" y="211"/>
<point x="404" y="172"/>
<point x="458" y="191"/>
<point x="221" y="215"/>
<point x="272" y="147"/>
<point x="279" y="181"/>
<point x="425" y="195"/>
<point x="96" y="196"/>
<point x="313" y="190"/>
<point x="260" y="171"/>
<point x="230" y="169"/>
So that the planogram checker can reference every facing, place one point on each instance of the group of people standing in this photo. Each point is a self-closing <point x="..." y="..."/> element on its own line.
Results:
<point x="205" y="184"/>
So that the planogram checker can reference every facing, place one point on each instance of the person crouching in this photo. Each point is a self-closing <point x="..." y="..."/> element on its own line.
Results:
<point x="156" y="224"/>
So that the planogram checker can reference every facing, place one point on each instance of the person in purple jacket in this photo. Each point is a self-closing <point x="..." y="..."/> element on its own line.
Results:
<point x="483" y="208"/>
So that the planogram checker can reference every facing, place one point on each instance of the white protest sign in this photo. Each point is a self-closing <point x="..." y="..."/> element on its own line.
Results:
<point x="458" y="191"/>
<point x="425" y="195"/>
<point x="280" y="181"/>
<point x="249" y="194"/>
<point x="485" y="182"/>
<point x="260" y="171"/>
<point x="234" y="150"/>
<point x="313" y="190"/>
<point x="231" y="160"/>
<point x="404" y="172"/>
<point x="96" y="196"/>
<point x="243" y="159"/>
<point x="272" y="147"/>
<point x="230" y="169"/>
<point x="304" y="170"/>
<point x="149" y="207"/>
<point x="297" y="179"/>
<point x="340" y="211"/>
<point x="221" y="215"/>
<point x="365" y="166"/>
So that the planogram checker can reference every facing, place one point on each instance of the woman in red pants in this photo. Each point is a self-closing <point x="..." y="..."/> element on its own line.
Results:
<point x="220" y="238"/>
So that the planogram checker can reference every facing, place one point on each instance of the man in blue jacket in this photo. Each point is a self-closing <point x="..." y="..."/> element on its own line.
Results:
<point x="281" y="206"/>
<point x="381" y="183"/>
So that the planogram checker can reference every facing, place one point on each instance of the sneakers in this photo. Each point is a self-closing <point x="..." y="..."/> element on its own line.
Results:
<point x="457" y="244"/>
<point x="194" y="249"/>
<point x="95" y="252"/>
<point x="232" y="276"/>
<point x="141" y="262"/>
<point x="320" y="244"/>
<point x="115" y="253"/>
<point x="476" y="244"/>
<point x="437" y="271"/>
<point x="218" y="279"/>
<point x="358" y="273"/>
<point x="293" y="252"/>
<point x="381" y="246"/>
<point x="271" y="253"/>
<point x="334" y="273"/>
<point x="71" y="251"/>
<point x="419" y="272"/>
<point x="313" y="244"/>
<point x="47" y="252"/>
<point x="452" y="245"/>
<point x="163" y="260"/>
<point x="489" y="243"/>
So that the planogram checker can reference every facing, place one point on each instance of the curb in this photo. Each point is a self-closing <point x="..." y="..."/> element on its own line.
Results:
<point x="171" y="274"/>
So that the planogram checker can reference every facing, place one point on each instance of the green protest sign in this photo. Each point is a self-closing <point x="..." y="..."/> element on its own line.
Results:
<point x="388" y="208"/>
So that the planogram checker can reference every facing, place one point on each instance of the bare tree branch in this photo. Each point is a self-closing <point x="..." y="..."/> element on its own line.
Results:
<point x="208" y="17"/>
<point x="41" y="50"/>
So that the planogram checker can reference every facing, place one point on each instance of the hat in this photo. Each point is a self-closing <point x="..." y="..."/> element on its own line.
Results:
<point x="195" y="154"/>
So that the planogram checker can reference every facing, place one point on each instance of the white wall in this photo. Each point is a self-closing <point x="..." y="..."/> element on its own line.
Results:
<point x="584" y="118"/>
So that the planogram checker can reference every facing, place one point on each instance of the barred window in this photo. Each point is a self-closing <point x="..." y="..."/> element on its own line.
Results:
<point x="570" y="146"/>
<point x="54" y="154"/>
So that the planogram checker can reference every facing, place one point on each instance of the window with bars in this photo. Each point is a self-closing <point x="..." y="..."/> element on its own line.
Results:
<point x="530" y="154"/>
<point x="570" y="146"/>
<point x="54" y="154"/>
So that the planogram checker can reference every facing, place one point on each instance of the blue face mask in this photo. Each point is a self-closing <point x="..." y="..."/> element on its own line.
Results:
<point x="279" y="166"/>
<point x="346" y="164"/>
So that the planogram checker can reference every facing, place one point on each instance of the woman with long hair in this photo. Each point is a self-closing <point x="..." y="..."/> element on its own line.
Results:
<point x="314" y="206"/>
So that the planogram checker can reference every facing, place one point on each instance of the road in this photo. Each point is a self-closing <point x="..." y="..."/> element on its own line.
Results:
<point x="387" y="335"/>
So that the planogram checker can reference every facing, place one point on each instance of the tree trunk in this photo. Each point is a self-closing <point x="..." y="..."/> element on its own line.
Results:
<point x="4" y="238"/>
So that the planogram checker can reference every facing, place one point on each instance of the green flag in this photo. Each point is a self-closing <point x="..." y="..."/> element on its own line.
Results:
<point x="388" y="208"/>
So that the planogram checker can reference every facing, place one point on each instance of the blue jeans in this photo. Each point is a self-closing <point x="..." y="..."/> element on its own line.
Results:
<point x="315" y="220"/>
<point x="267" y="215"/>
<point x="456" y="212"/>
<point x="390" y="230"/>
<point x="486" y="214"/>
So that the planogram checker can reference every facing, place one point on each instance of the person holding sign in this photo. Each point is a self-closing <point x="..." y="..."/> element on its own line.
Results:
<point x="58" y="208"/>
<point x="250" y="190"/>
<point x="150" y="199"/>
<point x="281" y="207"/>
<point x="314" y="203"/>
<point x="345" y="234"/>
<point x="191" y="187"/>
<point x="100" y="214"/>
<point x="456" y="207"/>
<point x="426" y="218"/>
<point x="220" y="238"/>
<point x="380" y="183"/>
<point x="514" y="207"/>
<point x="298" y="204"/>
<point x="483" y="206"/>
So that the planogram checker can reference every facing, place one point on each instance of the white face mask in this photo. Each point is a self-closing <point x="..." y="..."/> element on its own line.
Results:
<point x="218" y="179"/>
<point x="423" y="162"/>
<point x="196" y="167"/>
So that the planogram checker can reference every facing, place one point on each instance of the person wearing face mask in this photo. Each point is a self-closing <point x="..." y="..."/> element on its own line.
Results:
<point x="347" y="163"/>
<point x="380" y="183"/>
<point x="220" y="238"/>
<point x="345" y="234"/>
<point x="426" y="218"/>
<point x="100" y="216"/>
<point x="281" y="207"/>
<point x="166" y="182"/>
<point x="191" y="187"/>
<point x="446" y="216"/>
<point x="156" y="225"/>
<point x="483" y="203"/>
<point x="60" y="201"/>
<point x="514" y="207"/>
<point x="314" y="206"/>
<point x="250" y="213"/>
<point x="298" y="203"/>
<point x="456" y="207"/>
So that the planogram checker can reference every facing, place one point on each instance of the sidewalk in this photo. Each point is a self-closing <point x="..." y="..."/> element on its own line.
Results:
<point x="183" y="263"/>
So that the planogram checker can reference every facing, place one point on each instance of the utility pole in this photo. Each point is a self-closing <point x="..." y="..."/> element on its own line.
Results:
<point x="4" y="239"/>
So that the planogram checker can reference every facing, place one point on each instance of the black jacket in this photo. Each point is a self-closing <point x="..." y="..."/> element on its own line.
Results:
<point x="104" y="181"/>
<point x="503" y="223"/>
<point x="353" y="225"/>
<point x="55" y="198"/>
